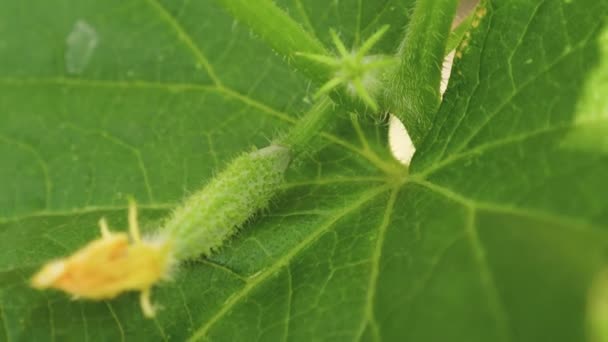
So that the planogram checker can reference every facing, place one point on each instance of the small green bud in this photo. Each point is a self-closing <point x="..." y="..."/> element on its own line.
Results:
<point x="359" y="73"/>
<point x="213" y="214"/>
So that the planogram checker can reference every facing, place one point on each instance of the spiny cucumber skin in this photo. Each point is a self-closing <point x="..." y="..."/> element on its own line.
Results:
<point x="213" y="214"/>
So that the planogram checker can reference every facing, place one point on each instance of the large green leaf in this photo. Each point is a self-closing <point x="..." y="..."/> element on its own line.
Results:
<point x="495" y="235"/>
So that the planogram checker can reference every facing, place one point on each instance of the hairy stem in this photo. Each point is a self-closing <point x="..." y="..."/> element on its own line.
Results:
<point x="413" y="92"/>
<point x="281" y="32"/>
<point x="298" y="138"/>
<point x="308" y="55"/>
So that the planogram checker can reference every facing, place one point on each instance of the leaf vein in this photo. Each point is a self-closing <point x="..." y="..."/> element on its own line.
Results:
<point x="82" y="211"/>
<point x="186" y="307"/>
<point x="487" y="119"/>
<point x="305" y="18"/>
<point x="48" y="184"/>
<point x="186" y="39"/>
<point x="486" y="277"/>
<point x="282" y="262"/>
<point x="520" y="40"/>
<point x="369" y="317"/>
<point x="134" y="150"/>
<point x="478" y="150"/>
<point x="5" y="323"/>
<point x="289" y="303"/>
<point x="475" y="88"/>
<point x="566" y="221"/>
<point x="120" y="328"/>
<point x="180" y="87"/>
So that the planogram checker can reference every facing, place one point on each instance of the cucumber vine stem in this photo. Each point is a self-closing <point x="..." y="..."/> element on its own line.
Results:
<point x="299" y="136"/>
<point x="281" y="32"/>
<point x="413" y="92"/>
<point x="362" y="75"/>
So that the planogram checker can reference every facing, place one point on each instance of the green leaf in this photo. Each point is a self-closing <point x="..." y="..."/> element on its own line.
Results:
<point x="591" y="124"/>
<point x="495" y="235"/>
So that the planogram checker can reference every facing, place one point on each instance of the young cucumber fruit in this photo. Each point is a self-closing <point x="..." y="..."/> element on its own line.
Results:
<point x="213" y="214"/>
<point x="118" y="262"/>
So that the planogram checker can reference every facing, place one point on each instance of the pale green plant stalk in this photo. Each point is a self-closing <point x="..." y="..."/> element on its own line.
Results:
<point x="281" y="32"/>
<point x="413" y="92"/>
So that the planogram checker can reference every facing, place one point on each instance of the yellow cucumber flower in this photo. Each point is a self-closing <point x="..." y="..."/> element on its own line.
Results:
<point x="110" y="265"/>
